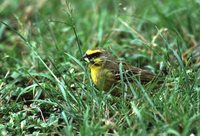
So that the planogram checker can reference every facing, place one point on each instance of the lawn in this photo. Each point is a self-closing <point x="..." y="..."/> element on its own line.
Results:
<point x="45" y="88"/>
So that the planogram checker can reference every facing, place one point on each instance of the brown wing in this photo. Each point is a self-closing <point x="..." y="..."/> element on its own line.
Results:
<point x="132" y="73"/>
<point x="129" y="72"/>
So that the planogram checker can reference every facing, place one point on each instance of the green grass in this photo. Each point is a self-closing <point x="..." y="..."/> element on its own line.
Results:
<point x="46" y="90"/>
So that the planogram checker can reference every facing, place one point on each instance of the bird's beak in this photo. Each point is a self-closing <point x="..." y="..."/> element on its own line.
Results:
<point x="85" y="58"/>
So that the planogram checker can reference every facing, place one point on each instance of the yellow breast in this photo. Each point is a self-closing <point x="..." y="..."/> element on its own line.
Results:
<point x="101" y="77"/>
<point x="95" y="74"/>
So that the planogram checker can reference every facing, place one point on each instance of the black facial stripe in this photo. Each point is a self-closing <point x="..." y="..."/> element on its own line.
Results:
<point x="94" y="55"/>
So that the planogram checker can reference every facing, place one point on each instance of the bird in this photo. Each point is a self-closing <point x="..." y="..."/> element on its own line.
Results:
<point x="107" y="71"/>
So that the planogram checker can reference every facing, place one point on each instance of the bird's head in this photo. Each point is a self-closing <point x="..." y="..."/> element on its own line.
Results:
<point x="95" y="57"/>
